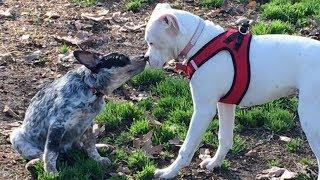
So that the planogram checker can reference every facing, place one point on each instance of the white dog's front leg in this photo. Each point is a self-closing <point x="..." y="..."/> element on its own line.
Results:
<point x="200" y="120"/>
<point x="226" y="114"/>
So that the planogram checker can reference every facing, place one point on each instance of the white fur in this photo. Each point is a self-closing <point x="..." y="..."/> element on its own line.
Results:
<point x="280" y="65"/>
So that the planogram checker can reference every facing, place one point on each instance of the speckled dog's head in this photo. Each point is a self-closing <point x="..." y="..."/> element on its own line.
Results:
<point x="111" y="70"/>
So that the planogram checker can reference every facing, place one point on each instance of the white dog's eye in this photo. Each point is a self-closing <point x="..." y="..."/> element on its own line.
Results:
<point x="150" y="44"/>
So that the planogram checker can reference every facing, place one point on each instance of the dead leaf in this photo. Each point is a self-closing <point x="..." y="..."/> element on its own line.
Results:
<point x="288" y="175"/>
<point x="145" y="144"/>
<point x="7" y="13"/>
<point x="271" y="173"/>
<point x="252" y="153"/>
<point x="82" y="37"/>
<point x="100" y="16"/>
<point x="214" y="13"/>
<point x="52" y="15"/>
<point x="252" y="5"/>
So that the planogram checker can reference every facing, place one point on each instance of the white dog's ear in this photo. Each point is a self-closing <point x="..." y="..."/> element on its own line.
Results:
<point x="172" y="21"/>
<point x="160" y="6"/>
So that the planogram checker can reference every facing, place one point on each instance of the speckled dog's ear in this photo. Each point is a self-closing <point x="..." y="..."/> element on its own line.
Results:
<point x="88" y="59"/>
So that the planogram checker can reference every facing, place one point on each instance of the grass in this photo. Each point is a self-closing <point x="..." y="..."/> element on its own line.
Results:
<point x="274" y="162"/>
<point x="225" y="166"/>
<point x="64" y="48"/>
<point x="138" y="160"/>
<point x="308" y="161"/>
<point x="117" y="114"/>
<point x="139" y="127"/>
<point x="135" y="5"/>
<point x="86" y="3"/>
<point x="293" y="145"/>
<point x="239" y="145"/>
<point x="147" y="78"/>
<point x="273" y="27"/>
<point x="291" y="11"/>
<point x="147" y="172"/>
<point x="74" y="164"/>
<point x="210" y="3"/>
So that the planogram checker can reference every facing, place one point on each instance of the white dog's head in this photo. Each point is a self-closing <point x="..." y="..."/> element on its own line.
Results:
<point x="162" y="33"/>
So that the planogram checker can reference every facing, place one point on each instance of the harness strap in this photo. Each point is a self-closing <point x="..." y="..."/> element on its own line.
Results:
<point x="238" y="45"/>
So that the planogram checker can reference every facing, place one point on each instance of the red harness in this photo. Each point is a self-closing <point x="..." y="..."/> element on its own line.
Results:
<point x="238" y="46"/>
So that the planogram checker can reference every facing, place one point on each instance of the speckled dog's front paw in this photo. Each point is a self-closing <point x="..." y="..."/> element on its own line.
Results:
<point x="104" y="161"/>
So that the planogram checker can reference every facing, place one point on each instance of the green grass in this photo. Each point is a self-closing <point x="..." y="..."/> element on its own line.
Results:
<point x="139" y="127"/>
<point x="135" y="5"/>
<point x="280" y="121"/>
<point x="172" y="87"/>
<point x="273" y="27"/>
<point x="74" y="164"/>
<point x="63" y="48"/>
<point x="225" y="166"/>
<point x="274" y="162"/>
<point x="277" y="116"/>
<point x="138" y="160"/>
<point x="117" y="114"/>
<point x="146" y="173"/>
<point x="86" y="3"/>
<point x="210" y="3"/>
<point x="308" y="161"/>
<point x="147" y="78"/>
<point x="293" y="145"/>
<point x="254" y="118"/>
<point x="239" y="145"/>
<point x="145" y="104"/>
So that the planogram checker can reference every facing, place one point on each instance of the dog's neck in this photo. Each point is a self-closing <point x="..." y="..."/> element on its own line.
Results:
<point x="209" y="31"/>
<point x="91" y="81"/>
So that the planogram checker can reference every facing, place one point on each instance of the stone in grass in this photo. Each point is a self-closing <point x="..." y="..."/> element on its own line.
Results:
<point x="289" y="175"/>
<point x="6" y="58"/>
<point x="284" y="138"/>
<point x="33" y="56"/>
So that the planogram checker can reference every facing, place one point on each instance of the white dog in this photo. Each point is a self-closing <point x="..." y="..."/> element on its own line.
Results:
<point x="281" y="65"/>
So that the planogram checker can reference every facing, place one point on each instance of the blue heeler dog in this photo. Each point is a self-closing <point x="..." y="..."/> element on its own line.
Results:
<point x="60" y="115"/>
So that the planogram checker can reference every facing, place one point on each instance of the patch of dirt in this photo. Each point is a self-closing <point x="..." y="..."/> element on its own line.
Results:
<point x="30" y="30"/>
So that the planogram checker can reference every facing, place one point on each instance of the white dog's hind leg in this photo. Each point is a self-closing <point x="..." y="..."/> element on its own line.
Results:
<point x="201" y="118"/>
<point x="309" y="115"/>
<point x="226" y="114"/>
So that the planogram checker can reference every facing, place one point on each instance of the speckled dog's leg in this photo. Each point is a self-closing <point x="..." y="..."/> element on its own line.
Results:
<point x="89" y="145"/>
<point x="52" y="146"/>
<point x="23" y="146"/>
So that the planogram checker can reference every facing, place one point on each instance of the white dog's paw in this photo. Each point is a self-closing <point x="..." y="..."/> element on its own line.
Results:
<point x="166" y="173"/>
<point x="210" y="163"/>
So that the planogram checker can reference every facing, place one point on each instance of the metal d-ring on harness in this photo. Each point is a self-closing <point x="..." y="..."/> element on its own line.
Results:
<point x="242" y="30"/>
